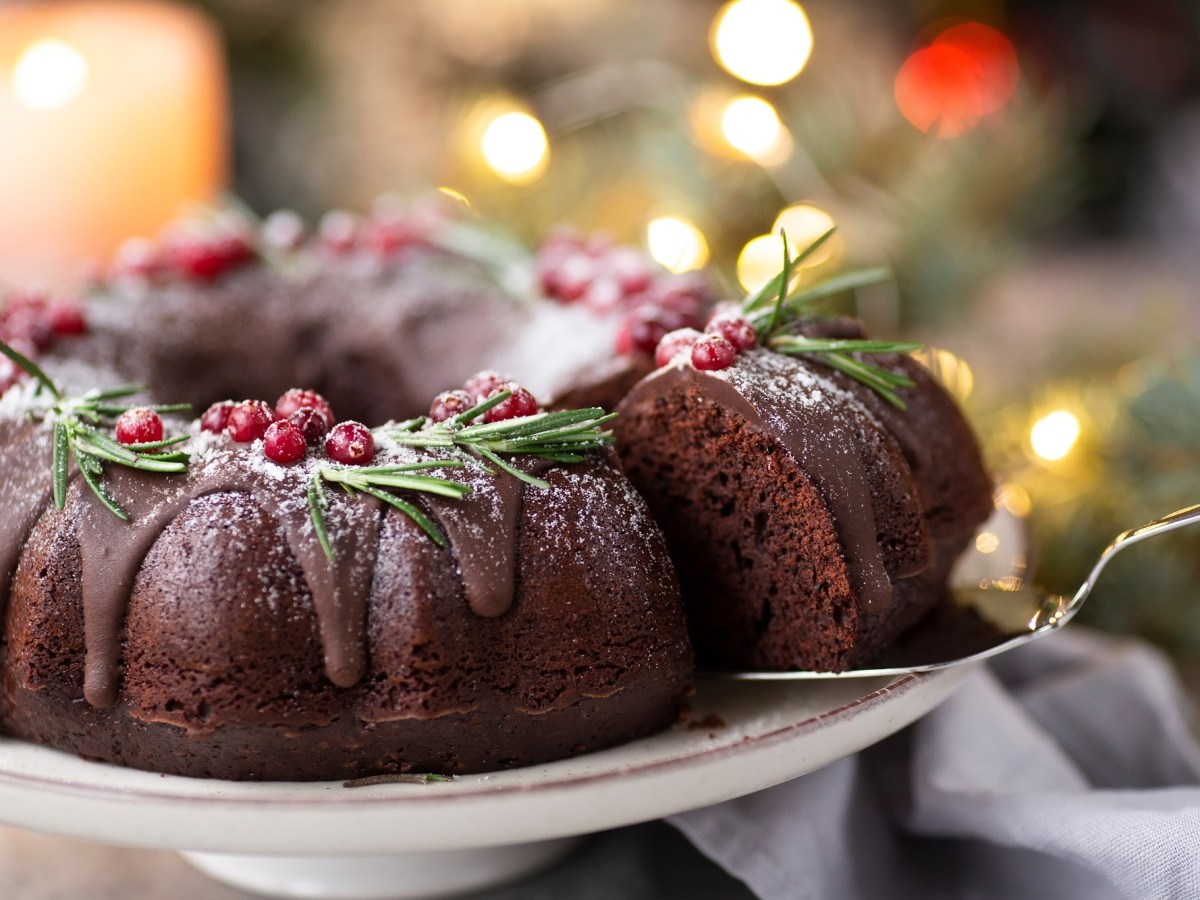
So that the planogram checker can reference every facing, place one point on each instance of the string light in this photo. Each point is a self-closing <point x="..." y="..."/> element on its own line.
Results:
<point x="1053" y="435"/>
<point x="762" y="41"/>
<point x="49" y="74"/>
<point x="968" y="71"/>
<point x="676" y="244"/>
<point x="759" y="261"/>
<point x="515" y="147"/>
<point x="952" y="372"/>
<point x="803" y="223"/>
<point x="751" y="126"/>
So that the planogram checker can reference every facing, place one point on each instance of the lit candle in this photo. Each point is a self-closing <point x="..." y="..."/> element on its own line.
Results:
<point x="112" y="119"/>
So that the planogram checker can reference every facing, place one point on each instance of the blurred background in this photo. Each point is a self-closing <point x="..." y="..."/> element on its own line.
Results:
<point x="1029" y="171"/>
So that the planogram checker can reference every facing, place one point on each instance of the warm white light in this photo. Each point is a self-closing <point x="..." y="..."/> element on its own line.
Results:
<point x="515" y="146"/>
<point x="676" y="244"/>
<point x="751" y="126"/>
<point x="952" y="372"/>
<point x="760" y="261"/>
<point x="762" y="41"/>
<point x="1014" y="498"/>
<point x="1054" y="435"/>
<point x="803" y="224"/>
<point x="49" y="74"/>
<point x="986" y="542"/>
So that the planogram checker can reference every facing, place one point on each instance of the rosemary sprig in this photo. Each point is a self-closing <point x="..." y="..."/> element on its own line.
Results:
<point x="836" y="354"/>
<point x="774" y="321"/>
<point x="77" y="436"/>
<point x="379" y="482"/>
<point x="559" y="436"/>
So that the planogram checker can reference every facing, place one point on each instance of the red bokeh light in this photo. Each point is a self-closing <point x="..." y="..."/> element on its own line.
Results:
<point x="968" y="71"/>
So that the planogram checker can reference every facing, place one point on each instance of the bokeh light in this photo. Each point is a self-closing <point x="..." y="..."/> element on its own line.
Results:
<point x="515" y="147"/>
<point x="760" y="261"/>
<point x="752" y="127"/>
<point x="676" y="244"/>
<point x="803" y="223"/>
<point x="987" y="542"/>
<point x="968" y="71"/>
<point x="1014" y="498"/>
<point x="1053" y="435"/>
<point x="49" y="74"/>
<point x="952" y="372"/>
<point x="762" y="41"/>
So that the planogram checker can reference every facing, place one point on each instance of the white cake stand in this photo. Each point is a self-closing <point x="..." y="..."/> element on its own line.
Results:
<point x="440" y="839"/>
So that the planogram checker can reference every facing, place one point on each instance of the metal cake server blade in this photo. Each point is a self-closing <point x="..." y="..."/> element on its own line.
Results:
<point x="1017" y="612"/>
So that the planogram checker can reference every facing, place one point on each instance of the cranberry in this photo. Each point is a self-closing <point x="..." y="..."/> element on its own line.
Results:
<point x="484" y="383"/>
<point x="30" y="323"/>
<point x="570" y="279"/>
<point x="641" y="331"/>
<point x="712" y="352"/>
<point x="248" y="420"/>
<point x="284" y="442"/>
<point x="449" y="404"/>
<point x="67" y="319"/>
<point x="673" y="343"/>
<point x="386" y="239"/>
<point x="139" y="426"/>
<point x="521" y="403"/>
<point x="350" y="443"/>
<point x="312" y="423"/>
<point x="298" y="398"/>
<point x="734" y="328"/>
<point x="137" y="258"/>
<point x="688" y="292"/>
<point x="339" y="231"/>
<point x="633" y="271"/>
<point x="235" y="250"/>
<point x="198" y="260"/>
<point x="283" y="230"/>
<point x="216" y="417"/>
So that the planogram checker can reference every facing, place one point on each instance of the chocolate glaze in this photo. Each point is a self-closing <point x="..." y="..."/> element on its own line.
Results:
<point x="25" y="491"/>
<point x="820" y="435"/>
<point x="113" y="550"/>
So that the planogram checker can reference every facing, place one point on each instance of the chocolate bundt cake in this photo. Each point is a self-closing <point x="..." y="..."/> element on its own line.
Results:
<point x="219" y="633"/>
<point x="813" y="510"/>
<point x="476" y="589"/>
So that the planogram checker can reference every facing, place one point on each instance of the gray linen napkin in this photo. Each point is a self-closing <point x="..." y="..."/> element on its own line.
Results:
<point x="1066" y="770"/>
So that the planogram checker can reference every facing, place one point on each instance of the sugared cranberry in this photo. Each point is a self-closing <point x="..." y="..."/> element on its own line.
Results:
<point x="734" y="328"/>
<point x="312" y="424"/>
<point x="481" y="384"/>
<point x="249" y="420"/>
<point x="350" y="443"/>
<point x="283" y="230"/>
<point x="712" y="352"/>
<point x="688" y="292"/>
<point x="139" y="426"/>
<point x="29" y="323"/>
<point x="339" y="231"/>
<point x="641" y="331"/>
<point x="67" y="319"/>
<point x="674" y="343"/>
<point x="298" y="398"/>
<point x="216" y="417"/>
<point x="449" y="404"/>
<point x="235" y="250"/>
<point x="387" y="238"/>
<point x="284" y="442"/>
<point x="520" y="403"/>
<point x="633" y="271"/>
<point x="137" y="258"/>
<point x="198" y="260"/>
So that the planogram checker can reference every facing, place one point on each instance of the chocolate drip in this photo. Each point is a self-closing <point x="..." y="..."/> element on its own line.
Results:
<point x="112" y="554"/>
<point x="483" y="533"/>
<point x="25" y="491"/>
<point x="826" y="444"/>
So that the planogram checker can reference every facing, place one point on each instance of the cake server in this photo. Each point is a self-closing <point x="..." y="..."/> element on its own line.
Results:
<point x="1019" y="612"/>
